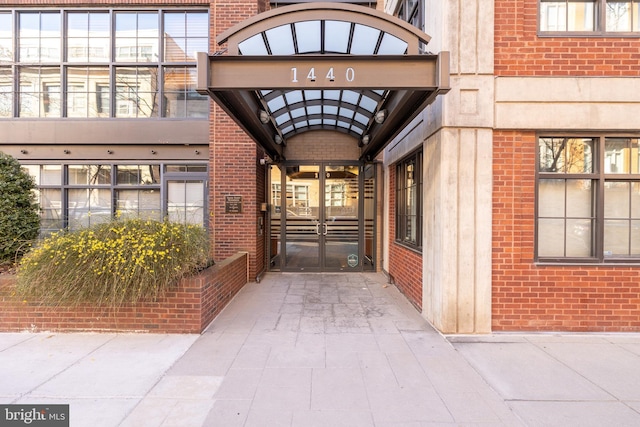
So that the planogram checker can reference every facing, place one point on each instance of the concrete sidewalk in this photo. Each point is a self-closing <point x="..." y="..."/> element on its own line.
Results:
<point x="325" y="350"/>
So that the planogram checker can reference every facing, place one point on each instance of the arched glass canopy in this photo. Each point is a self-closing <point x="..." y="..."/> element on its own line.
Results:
<point x="323" y="66"/>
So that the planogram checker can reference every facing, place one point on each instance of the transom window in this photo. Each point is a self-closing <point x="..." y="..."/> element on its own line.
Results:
<point x="590" y="16"/>
<point x="409" y="201"/>
<point x="102" y="63"/>
<point x="588" y="199"/>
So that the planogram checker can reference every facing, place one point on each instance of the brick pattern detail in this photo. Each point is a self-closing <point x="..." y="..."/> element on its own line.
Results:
<point x="530" y="297"/>
<point x="322" y="145"/>
<point x="520" y="52"/>
<point x="405" y="265"/>
<point x="187" y="309"/>
<point x="234" y="159"/>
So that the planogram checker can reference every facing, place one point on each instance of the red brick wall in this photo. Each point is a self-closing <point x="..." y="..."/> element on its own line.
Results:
<point x="519" y="51"/>
<point x="530" y="297"/>
<point x="187" y="309"/>
<point x="235" y="163"/>
<point x="405" y="265"/>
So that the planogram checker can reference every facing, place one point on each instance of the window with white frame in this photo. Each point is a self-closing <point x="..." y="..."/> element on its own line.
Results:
<point x="589" y="16"/>
<point x="588" y="199"/>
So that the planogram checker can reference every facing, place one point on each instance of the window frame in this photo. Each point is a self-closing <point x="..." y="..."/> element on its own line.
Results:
<point x="402" y="208"/>
<point x="600" y="22"/>
<point x="599" y="177"/>
<point x="65" y="40"/>
<point x="63" y="186"/>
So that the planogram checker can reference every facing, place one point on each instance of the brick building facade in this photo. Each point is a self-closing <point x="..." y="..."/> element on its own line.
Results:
<point x="493" y="206"/>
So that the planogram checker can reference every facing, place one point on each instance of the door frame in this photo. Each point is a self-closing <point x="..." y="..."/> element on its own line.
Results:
<point x="322" y="267"/>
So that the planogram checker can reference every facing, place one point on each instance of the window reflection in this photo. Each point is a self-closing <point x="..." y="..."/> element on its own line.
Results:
<point x="39" y="39"/>
<point x="88" y="37"/>
<point x="87" y="92"/>
<point x="6" y="42"/>
<point x="6" y="92"/>
<point x="40" y="92"/>
<point x="185" y="33"/>
<point x="180" y="96"/>
<point x="136" y="36"/>
<point x="136" y="92"/>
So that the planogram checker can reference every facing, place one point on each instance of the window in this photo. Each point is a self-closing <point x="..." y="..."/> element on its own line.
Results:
<point x="102" y="63"/>
<point x="335" y="195"/>
<point x="412" y="11"/>
<point x="6" y="37"/>
<point x="588" y="199"/>
<point x="590" y="16"/>
<point x="409" y="201"/>
<point x="74" y="196"/>
<point x="39" y="37"/>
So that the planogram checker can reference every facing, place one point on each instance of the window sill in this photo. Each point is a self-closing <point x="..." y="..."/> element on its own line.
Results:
<point x="415" y="249"/>
<point x="587" y="264"/>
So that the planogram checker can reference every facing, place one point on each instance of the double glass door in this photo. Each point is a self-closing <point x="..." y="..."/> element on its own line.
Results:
<point x="316" y="217"/>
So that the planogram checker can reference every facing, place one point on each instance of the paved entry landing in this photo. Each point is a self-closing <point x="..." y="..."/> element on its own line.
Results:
<point x="321" y="350"/>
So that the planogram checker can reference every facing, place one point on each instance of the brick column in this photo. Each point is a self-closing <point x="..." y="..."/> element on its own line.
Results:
<point x="234" y="163"/>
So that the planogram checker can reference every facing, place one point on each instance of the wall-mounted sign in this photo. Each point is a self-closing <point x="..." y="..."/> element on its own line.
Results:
<point x="233" y="204"/>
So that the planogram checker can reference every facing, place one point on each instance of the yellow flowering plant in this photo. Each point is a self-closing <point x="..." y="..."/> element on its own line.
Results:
<point x="112" y="263"/>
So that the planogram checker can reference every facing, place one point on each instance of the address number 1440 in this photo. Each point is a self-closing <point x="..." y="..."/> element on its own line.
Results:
<point x="350" y="74"/>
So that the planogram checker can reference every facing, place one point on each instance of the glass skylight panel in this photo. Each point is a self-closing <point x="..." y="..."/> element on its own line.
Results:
<point x="357" y="130"/>
<point x="346" y="112"/>
<point x="298" y="112"/>
<point x="329" y="122"/>
<point x="379" y="92"/>
<point x="312" y="94"/>
<point x="253" y="46"/>
<point x="364" y="40"/>
<point x="315" y="122"/>
<point x="280" y="40"/>
<point x="351" y="97"/>
<point x="343" y="124"/>
<point x="331" y="94"/>
<point x="368" y="104"/>
<point x="314" y="109"/>
<point x="293" y="96"/>
<point x="308" y="36"/>
<point x="361" y="118"/>
<point x="336" y="36"/>
<point x="265" y="92"/>
<point x="302" y="124"/>
<point x="282" y="118"/>
<point x="276" y="103"/>
<point x="391" y="45"/>
<point x="330" y="109"/>
<point x="287" y="130"/>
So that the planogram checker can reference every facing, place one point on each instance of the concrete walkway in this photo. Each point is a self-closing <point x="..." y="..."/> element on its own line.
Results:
<point x="325" y="350"/>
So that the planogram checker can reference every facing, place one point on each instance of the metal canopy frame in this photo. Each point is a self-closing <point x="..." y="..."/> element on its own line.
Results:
<point x="332" y="66"/>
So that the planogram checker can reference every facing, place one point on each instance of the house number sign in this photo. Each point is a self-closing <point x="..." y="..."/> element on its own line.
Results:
<point x="349" y="74"/>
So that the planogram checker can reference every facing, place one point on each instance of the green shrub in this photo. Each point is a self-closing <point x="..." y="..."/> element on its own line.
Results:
<point x="112" y="263"/>
<point x="19" y="213"/>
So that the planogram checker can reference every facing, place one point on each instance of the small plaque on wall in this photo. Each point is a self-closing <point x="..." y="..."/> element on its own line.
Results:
<point x="233" y="204"/>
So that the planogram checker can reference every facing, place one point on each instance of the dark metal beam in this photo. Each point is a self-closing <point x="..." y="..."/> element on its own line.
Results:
<point x="382" y="72"/>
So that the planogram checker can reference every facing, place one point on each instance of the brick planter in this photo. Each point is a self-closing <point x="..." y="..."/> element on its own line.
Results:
<point x="189" y="308"/>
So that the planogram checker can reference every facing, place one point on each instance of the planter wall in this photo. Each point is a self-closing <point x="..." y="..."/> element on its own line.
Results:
<point x="189" y="308"/>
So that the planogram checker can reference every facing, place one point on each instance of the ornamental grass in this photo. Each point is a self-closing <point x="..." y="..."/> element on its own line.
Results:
<point x="123" y="261"/>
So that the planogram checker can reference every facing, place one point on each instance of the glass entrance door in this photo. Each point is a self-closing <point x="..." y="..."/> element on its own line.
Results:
<point x="316" y="220"/>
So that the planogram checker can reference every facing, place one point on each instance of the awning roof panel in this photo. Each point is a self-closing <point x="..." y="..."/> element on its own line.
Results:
<point x="322" y="66"/>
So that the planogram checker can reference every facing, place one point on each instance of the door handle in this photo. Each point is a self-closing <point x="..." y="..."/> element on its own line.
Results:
<point x="318" y="228"/>
<point x="324" y="228"/>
